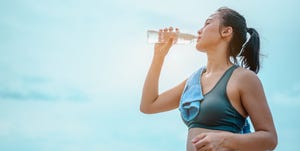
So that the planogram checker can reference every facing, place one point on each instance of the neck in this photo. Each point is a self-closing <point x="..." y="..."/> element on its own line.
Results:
<point x="217" y="61"/>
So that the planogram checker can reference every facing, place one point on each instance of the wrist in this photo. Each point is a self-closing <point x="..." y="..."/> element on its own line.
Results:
<point x="158" y="58"/>
<point x="226" y="140"/>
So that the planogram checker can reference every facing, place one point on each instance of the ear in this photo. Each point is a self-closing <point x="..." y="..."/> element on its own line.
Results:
<point x="227" y="31"/>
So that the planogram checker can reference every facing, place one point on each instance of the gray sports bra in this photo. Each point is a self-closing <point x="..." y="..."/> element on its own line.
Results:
<point x="212" y="110"/>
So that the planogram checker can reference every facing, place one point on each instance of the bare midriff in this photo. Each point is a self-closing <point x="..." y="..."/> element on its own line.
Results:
<point x="193" y="132"/>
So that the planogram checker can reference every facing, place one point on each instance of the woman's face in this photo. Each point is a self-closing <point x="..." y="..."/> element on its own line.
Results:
<point x="209" y="35"/>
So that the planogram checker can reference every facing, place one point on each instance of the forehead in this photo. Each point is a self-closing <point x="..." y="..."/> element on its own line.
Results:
<point x="214" y="16"/>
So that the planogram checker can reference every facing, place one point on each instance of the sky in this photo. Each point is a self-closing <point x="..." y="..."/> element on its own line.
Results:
<point x="72" y="72"/>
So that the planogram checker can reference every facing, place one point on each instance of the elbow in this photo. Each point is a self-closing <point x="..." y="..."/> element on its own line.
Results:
<point x="273" y="142"/>
<point x="145" y="110"/>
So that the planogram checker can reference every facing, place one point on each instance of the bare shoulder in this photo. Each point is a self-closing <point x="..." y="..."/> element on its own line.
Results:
<point x="244" y="75"/>
<point x="246" y="79"/>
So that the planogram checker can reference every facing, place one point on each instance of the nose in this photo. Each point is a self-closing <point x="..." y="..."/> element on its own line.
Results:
<point x="199" y="31"/>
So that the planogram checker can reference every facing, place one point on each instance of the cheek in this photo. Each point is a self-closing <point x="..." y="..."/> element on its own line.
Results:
<point x="209" y="37"/>
<point x="205" y="42"/>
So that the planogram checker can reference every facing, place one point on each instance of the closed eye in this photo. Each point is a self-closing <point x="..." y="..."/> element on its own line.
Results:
<point x="206" y="23"/>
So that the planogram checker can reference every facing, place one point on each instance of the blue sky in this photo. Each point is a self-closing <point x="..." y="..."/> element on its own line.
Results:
<point x="72" y="71"/>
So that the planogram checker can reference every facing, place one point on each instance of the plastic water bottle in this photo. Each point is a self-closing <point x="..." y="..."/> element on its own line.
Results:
<point x="154" y="36"/>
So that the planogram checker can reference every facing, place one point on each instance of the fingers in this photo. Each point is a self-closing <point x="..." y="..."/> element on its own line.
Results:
<point x="199" y="142"/>
<point x="166" y="30"/>
<point x="170" y="29"/>
<point x="168" y="35"/>
<point x="160" y="36"/>
<point x="198" y="138"/>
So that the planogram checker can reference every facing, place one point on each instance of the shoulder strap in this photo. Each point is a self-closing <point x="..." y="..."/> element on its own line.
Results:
<point x="226" y="77"/>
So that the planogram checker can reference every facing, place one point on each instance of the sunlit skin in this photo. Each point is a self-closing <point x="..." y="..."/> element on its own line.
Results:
<point x="244" y="91"/>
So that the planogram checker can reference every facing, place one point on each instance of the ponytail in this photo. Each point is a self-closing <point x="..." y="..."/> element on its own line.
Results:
<point x="246" y="49"/>
<point x="250" y="51"/>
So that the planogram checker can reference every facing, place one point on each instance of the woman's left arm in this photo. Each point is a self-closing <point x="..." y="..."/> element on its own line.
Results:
<point x="254" y="101"/>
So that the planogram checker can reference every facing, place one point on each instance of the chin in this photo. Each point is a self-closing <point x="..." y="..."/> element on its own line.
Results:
<point x="200" y="48"/>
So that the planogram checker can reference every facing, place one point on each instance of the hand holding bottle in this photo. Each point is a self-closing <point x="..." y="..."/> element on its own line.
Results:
<point x="161" y="36"/>
<point x="166" y="38"/>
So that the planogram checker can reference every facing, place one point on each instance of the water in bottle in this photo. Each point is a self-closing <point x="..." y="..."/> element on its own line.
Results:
<point x="154" y="36"/>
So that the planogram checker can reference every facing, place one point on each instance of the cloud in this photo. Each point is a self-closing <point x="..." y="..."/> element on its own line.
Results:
<point x="22" y="87"/>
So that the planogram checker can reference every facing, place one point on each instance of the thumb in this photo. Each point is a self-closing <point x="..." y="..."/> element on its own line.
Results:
<point x="170" y="43"/>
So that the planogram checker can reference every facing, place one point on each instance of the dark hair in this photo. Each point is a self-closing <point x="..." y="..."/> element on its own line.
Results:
<point x="249" y="52"/>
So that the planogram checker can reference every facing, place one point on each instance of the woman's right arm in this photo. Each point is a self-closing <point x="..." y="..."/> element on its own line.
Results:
<point x="152" y="101"/>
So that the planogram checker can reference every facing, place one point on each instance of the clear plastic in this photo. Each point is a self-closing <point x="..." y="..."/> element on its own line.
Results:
<point x="154" y="36"/>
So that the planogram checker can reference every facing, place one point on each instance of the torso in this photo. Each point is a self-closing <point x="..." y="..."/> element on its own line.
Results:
<point x="208" y="82"/>
<point x="193" y="132"/>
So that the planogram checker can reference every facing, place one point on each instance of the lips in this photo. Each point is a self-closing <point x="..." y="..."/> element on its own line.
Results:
<point x="198" y="38"/>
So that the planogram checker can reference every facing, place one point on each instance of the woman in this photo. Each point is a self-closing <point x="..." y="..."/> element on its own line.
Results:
<point x="216" y="100"/>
